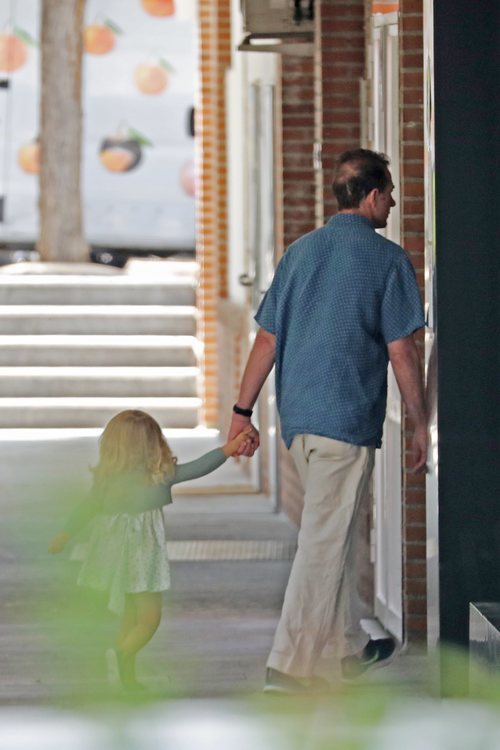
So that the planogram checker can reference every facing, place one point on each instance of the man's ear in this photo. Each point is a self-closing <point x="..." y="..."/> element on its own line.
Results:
<point x="372" y="196"/>
<point x="369" y="202"/>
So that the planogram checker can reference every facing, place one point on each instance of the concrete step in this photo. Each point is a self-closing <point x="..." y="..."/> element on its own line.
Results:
<point x="99" y="381"/>
<point x="162" y="267"/>
<point x="97" y="290"/>
<point x="94" y="412"/>
<point x="80" y="350"/>
<point x="98" y="319"/>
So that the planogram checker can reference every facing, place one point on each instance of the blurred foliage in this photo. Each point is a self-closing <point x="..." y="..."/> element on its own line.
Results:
<point x="384" y="710"/>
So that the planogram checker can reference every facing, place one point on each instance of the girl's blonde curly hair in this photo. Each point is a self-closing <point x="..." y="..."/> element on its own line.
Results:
<point x="133" y="441"/>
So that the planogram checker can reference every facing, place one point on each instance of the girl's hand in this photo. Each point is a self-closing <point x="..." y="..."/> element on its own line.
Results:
<point x="233" y="447"/>
<point x="59" y="542"/>
<point x="243" y="424"/>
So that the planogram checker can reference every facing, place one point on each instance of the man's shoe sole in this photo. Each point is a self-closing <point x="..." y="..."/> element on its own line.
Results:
<point x="299" y="690"/>
<point x="276" y="690"/>
<point x="372" y="667"/>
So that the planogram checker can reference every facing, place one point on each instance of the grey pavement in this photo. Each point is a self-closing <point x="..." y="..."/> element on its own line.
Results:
<point x="219" y="616"/>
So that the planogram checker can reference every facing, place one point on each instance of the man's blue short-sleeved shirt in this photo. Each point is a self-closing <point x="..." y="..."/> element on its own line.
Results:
<point x="339" y="295"/>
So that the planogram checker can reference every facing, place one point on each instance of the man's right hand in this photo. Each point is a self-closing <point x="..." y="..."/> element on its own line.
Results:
<point x="241" y="424"/>
<point x="419" y="449"/>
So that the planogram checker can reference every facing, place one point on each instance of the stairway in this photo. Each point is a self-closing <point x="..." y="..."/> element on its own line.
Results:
<point x="76" y="348"/>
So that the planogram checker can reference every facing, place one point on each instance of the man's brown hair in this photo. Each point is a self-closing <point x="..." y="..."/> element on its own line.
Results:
<point x="357" y="173"/>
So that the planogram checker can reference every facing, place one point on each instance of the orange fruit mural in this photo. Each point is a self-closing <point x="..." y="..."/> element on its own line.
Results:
<point x="100" y="38"/>
<point x="14" y="49"/>
<point x="159" y="7"/>
<point x="28" y="157"/>
<point x="187" y="179"/>
<point x="153" y="78"/>
<point x="122" y="152"/>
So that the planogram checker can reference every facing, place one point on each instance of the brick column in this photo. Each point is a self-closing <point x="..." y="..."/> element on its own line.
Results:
<point x="211" y="211"/>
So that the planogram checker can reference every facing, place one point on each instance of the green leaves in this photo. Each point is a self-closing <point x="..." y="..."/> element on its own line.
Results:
<point x="166" y="65"/>
<point x="112" y="26"/>
<point x="135" y="135"/>
<point x="24" y="36"/>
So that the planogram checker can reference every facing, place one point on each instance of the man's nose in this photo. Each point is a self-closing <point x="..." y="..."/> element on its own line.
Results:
<point x="393" y="202"/>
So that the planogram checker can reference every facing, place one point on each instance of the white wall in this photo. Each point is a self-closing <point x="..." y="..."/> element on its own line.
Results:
<point x="246" y="68"/>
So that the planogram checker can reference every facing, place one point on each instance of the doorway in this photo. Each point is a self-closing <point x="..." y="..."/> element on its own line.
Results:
<point x="262" y="242"/>
<point x="387" y="476"/>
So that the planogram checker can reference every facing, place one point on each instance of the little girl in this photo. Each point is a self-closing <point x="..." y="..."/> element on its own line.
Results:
<point x="127" y="555"/>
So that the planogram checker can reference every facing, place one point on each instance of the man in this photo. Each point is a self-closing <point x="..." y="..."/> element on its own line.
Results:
<point x="343" y="302"/>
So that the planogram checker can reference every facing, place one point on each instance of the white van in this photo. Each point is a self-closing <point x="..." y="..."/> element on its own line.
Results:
<point x="139" y="73"/>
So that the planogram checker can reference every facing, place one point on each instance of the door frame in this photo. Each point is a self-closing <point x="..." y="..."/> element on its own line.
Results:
<point x="262" y="245"/>
<point x="387" y="488"/>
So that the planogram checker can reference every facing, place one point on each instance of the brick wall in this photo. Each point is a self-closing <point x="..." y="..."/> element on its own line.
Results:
<point x="340" y="66"/>
<point x="214" y="56"/>
<point x="297" y="138"/>
<point x="412" y="239"/>
<point x="298" y="210"/>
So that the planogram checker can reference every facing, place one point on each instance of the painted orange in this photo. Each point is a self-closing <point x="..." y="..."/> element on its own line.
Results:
<point x="28" y="158"/>
<point x="379" y="6"/>
<point x="98" y="39"/>
<point x="151" y="78"/>
<point x="116" y="159"/>
<point x="187" y="179"/>
<point x="159" y="7"/>
<point x="13" y="53"/>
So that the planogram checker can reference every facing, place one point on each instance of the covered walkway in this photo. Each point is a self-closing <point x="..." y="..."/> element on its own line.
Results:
<point x="230" y="558"/>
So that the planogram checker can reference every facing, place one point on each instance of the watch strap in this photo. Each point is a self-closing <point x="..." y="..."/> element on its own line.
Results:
<point x="242" y="412"/>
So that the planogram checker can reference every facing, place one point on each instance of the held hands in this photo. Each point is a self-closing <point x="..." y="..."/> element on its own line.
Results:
<point x="241" y="424"/>
<point x="59" y="542"/>
<point x="237" y="445"/>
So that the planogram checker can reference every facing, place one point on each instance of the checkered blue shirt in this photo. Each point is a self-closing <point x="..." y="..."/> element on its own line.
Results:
<point x="339" y="295"/>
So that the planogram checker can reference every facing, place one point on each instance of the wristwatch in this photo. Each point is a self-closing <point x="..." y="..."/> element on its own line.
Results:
<point x="242" y="412"/>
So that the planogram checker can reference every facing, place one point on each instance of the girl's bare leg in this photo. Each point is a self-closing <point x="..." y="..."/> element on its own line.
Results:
<point x="128" y="623"/>
<point x="147" y="608"/>
<point x="129" y="618"/>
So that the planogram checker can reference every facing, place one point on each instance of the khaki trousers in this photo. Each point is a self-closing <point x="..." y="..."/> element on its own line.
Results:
<point x="321" y="602"/>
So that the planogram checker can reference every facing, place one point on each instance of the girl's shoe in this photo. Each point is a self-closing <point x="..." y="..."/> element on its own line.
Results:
<point x="117" y="673"/>
<point x="112" y="668"/>
<point x="135" y="688"/>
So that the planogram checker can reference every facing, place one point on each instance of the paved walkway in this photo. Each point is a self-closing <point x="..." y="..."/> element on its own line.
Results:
<point x="205" y="666"/>
<point x="230" y="558"/>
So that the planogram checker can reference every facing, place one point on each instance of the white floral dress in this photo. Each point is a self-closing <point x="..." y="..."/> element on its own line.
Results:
<point x="126" y="553"/>
<point x="127" y="549"/>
